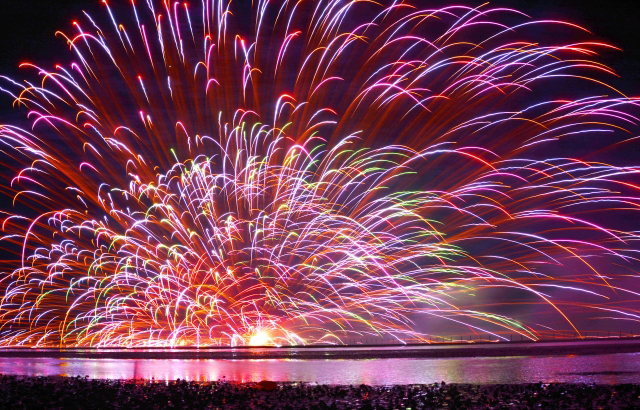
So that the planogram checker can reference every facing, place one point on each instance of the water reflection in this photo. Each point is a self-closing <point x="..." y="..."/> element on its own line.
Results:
<point x="607" y="368"/>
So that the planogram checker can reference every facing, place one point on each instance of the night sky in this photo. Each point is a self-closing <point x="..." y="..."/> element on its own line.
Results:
<point x="28" y="28"/>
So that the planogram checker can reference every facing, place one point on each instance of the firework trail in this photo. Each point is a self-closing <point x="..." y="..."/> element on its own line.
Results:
<point x="306" y="172"/>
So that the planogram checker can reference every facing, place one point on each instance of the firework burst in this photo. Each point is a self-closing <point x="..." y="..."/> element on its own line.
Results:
<point x="309" y="172"/>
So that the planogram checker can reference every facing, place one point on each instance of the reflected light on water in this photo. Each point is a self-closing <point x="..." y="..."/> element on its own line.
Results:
<point x="607" y="368"/>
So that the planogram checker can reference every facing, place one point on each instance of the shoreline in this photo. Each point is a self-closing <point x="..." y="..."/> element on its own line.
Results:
<point x="77" y="392"/>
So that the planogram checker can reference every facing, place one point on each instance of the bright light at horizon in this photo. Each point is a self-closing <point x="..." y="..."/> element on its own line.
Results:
<point x="261" y="338"/>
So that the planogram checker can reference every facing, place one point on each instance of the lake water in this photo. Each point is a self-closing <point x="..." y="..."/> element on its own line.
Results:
<point x="605" y="368"/>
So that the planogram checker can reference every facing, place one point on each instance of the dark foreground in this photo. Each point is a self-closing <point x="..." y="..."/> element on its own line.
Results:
<point x="18" y="392"/>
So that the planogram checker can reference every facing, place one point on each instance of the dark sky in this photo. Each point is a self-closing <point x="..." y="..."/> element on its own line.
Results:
<point x="28" y="34"/>
<point x="28" y="26"/>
